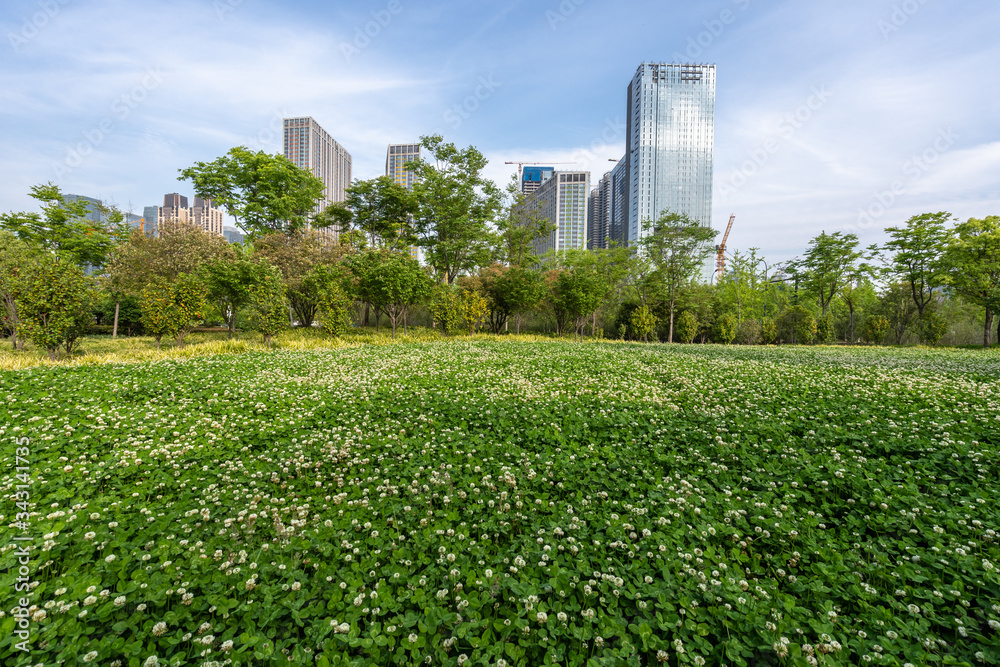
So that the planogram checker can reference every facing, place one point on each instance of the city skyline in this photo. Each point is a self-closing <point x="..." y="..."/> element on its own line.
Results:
<point x="847" y="118"/>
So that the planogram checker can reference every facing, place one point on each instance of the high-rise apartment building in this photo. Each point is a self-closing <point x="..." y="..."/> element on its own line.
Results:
<point x="533" y="177"/>
<point x="396" y="157"/>
<point x="311" y="147"/>
<point x="206" y="216"/>
<point x="175" y="208"/>
<point x="599" y="214"/>
<point x="563" y="200"/>
<point x="670" y="139"/>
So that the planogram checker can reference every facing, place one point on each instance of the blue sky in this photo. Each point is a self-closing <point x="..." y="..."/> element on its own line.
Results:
<point x="844" y="115"/>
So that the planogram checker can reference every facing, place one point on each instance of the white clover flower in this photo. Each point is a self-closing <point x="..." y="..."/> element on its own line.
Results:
<point x="120" y="600"/>
<point x="89" y="600"/>
<point x="227" y="645"/>
<point x="89" y="657"/>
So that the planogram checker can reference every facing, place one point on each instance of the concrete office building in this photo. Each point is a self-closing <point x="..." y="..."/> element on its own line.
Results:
<point x="562" y="199"/>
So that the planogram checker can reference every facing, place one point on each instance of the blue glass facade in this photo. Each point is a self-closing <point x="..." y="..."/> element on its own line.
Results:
<point x="670" y="144"/>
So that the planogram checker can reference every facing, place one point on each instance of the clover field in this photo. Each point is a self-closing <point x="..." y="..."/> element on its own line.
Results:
<point x="498" y="503"/>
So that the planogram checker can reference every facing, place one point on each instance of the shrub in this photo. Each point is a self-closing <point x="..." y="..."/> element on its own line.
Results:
<point x="724" y="329"/>
<point x="173" y="309"/>
<point x="268" y="312"/>
<point x="796" y="325"/>
<point x="824" y="330"/>
<point x="643" y="322"/>
<point x="875" y="329"/>
<point x="54" y="303"/>
<point x="686" y="326"/>
<point x="932" y="326"/>
<point x="768" y="331"/>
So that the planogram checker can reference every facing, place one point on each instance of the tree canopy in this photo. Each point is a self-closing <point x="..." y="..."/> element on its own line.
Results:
<point x="262" y="192"/>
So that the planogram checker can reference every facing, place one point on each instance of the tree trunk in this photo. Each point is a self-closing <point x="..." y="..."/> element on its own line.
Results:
<point x="52" y="355"/>
<point x="367" y="312"/>
<point x="988" y="329"/>
<point x="850" y="307"/>
<point x="114" y="329"/>
<point x="158" y="339"/>
<point x="670" y="331"/>
<point x="267" y="340"/>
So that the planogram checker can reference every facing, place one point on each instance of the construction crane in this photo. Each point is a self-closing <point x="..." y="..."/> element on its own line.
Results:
<point x="720" y="250"/>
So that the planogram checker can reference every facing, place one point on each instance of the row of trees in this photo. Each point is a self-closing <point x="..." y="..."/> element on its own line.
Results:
<point x="480" y="271"/>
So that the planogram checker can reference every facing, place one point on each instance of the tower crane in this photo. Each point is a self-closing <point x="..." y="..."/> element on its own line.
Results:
<point x="720" y="250"/>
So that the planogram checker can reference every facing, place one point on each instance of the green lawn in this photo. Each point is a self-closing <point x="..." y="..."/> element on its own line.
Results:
<point x="486" y="501"/>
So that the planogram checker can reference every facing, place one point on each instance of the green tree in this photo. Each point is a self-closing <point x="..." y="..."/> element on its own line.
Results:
<point x="334" y="299"/>
<point x="511" y="292"/>
<point x="971" y="264"/>
<point x="933" y="327"/>
<point x="392" y="282"/>
<point x="228" y="281"/>
<point x="875" y="329"/>
<point x="724" y="329"/>
<point x="381" y="209"/>
<point x="577" y="293"/>
<point x="296" y="255"/>
<point x="830" y="261"/>
<point x="173" y="308"/>
<point x="15" y="255"/>
<point x="65" y="228"/>
<point x="262" y="192"/>
<point x="797" y="326"/>
<point x="268" y="311"/>
<point x="916" y="253"/>
<point x="456" y="208"/>
<point x="678" y="247"/>
<point x="54" y="303"/>
<point x="643" y="322"/>
<point x="686" y="327"/>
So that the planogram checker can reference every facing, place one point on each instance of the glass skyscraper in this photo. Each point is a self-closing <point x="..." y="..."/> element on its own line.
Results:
<point x="670" y="141"/>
